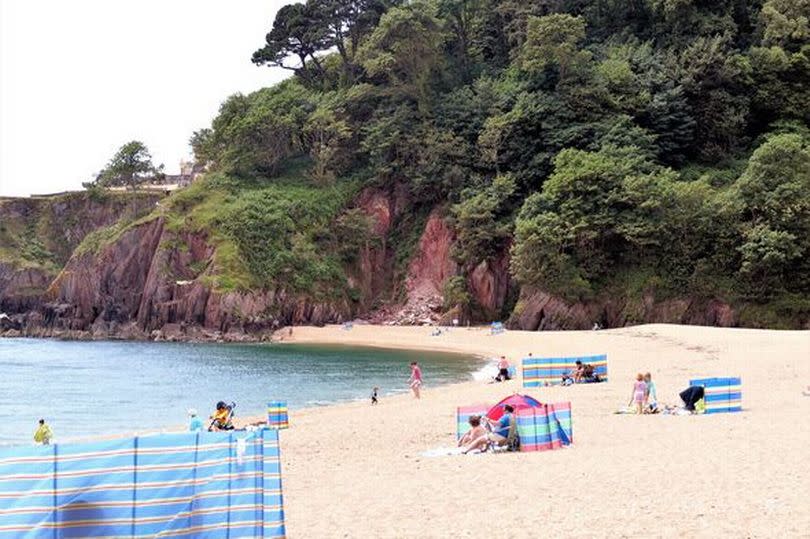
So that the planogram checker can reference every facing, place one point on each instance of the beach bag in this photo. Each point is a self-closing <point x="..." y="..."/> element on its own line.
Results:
<point x="700" y="406"/>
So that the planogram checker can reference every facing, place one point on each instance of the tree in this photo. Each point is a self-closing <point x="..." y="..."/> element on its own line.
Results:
<point x="405" y="50"/>
<point x="787" y="23"/>
<point x="346" y="23"/>
<point x="299" y="30"/>
<point x="130" y="167"/>
<point x="553" y="41"/>
<point x="483" y="220"/>
<point x="596" y="210"/>
<point x="775" y="187"/>
<point x="326" y="135"/>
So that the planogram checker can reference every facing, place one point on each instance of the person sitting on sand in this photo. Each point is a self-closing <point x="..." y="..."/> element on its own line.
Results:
<point x="651" y="396"/>
<point x="476" y="431"/>
<point x="44" y="434"/>
<point x="503" y="370"/>
<point x="221" y="418"/>
<point x="574" y="375"/>
<point x="500" y="434"/>
<point x="639" y="393"/>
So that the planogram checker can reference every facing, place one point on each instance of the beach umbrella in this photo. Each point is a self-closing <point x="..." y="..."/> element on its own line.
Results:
<point x="517" y="401"/>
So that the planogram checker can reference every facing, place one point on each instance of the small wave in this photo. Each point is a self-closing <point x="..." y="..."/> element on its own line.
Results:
<point x="487" y="372"/>
<point x="319" y="403"/>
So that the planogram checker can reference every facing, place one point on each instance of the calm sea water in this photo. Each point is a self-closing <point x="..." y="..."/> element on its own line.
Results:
<point x="91" y="388"/>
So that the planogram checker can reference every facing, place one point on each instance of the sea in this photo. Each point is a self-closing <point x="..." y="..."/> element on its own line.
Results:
<point x="93" y="388"/>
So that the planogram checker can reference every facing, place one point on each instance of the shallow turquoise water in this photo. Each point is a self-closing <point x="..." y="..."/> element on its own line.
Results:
<point x="90" y="388"/>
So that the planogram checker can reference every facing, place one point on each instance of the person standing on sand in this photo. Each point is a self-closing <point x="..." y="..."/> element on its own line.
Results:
<point x="639" y="394"/>
<point x="415" y="381"/>
<point x="44" y="434"/>
<point x="503" y="370"/>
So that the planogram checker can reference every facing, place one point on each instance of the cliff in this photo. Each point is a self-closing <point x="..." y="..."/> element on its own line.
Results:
<point x="135" y="267"/>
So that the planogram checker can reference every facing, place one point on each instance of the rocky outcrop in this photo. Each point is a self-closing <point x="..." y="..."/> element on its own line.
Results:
<point x="490" y="283"/>
<point x="429" y="268"/>
<point x="152" y="282"/>
<point x="39" y="235"/>
<point x="539" y="310"/>
<point x="21" y="288"/>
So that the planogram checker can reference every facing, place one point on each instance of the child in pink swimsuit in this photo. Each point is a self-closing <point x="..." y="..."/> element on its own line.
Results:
<point x="639" y="392"/>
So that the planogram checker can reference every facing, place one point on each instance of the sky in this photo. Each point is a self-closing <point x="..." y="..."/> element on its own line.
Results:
<point x="79" y="78"/>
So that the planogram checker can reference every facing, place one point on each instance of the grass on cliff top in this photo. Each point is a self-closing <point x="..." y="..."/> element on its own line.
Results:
<point x="268" y="234"/>
<point x="32" y="236"/>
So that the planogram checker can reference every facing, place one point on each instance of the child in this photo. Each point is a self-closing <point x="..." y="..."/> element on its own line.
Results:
<point x="221" y="418"/>
<point x="651" y="397"/>
<point x="44" y="434"/>
<point x="374" y="395"/>
<point x="195" y="424"/>
<point x="476" y="432"/>
<point x="639" y="393"/>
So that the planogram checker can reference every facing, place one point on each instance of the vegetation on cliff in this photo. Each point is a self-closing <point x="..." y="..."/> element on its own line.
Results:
<point x="609" y="148"/>
<point x="596" y="139"/>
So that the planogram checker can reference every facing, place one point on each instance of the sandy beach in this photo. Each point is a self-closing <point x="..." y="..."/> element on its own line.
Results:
<point x="353" y="470"/>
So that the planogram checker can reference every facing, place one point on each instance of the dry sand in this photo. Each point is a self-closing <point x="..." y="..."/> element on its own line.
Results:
<point x="356" y="471"/>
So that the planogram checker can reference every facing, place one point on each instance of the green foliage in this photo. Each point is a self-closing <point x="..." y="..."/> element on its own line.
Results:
<point x="404" y="50"/>
<point x="484" y="221"/>
<point x="130" y="167"/>
<point x="456" y="294"/>
<point x="619" y="147"/>
<point x="553" y="41"/>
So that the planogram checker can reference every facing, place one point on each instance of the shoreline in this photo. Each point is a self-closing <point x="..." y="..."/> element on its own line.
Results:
<point x="361" y="470"/>
<point x="355" y="470"/>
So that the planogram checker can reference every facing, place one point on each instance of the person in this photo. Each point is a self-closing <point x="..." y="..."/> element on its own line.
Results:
<point x="639" y="393"/>
<point x="691" y="395"/>
<point x="474" y="434"/>
<point x="651" y="396"/>
<point x="574" y="375"/>
<point x="195" y="424"/>
<point x="415" y="381"/>
<point x="221" y="418"/>
<point x="500" y="433"/>
<point x="503" y="370"/>
<point x="43" y="434"/>
<point x="374" y="395"/>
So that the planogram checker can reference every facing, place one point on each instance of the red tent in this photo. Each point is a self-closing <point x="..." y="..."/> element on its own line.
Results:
<point x="517" y="401"/>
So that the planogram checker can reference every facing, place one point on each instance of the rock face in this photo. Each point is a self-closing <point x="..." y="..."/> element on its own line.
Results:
<point x="539" y="310"/>
<point x="152" y="282"/>
<point x="56" y="225"/>
<point x="490" y="284"/>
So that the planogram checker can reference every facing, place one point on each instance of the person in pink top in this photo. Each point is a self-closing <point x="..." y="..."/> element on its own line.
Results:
<point x="503" y="370"/>
<point x="639" y="394"/>
<point x="415" y="381"/>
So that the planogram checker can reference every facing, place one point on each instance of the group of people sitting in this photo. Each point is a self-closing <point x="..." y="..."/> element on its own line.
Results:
<point x="582" y="373"/>
<point x="485" y="433"/>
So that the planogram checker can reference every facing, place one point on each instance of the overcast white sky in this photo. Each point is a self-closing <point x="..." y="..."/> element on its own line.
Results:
<point x="78" y="78"/>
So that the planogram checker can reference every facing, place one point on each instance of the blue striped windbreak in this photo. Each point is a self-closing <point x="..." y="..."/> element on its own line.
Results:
<point x="171" y="485"/>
